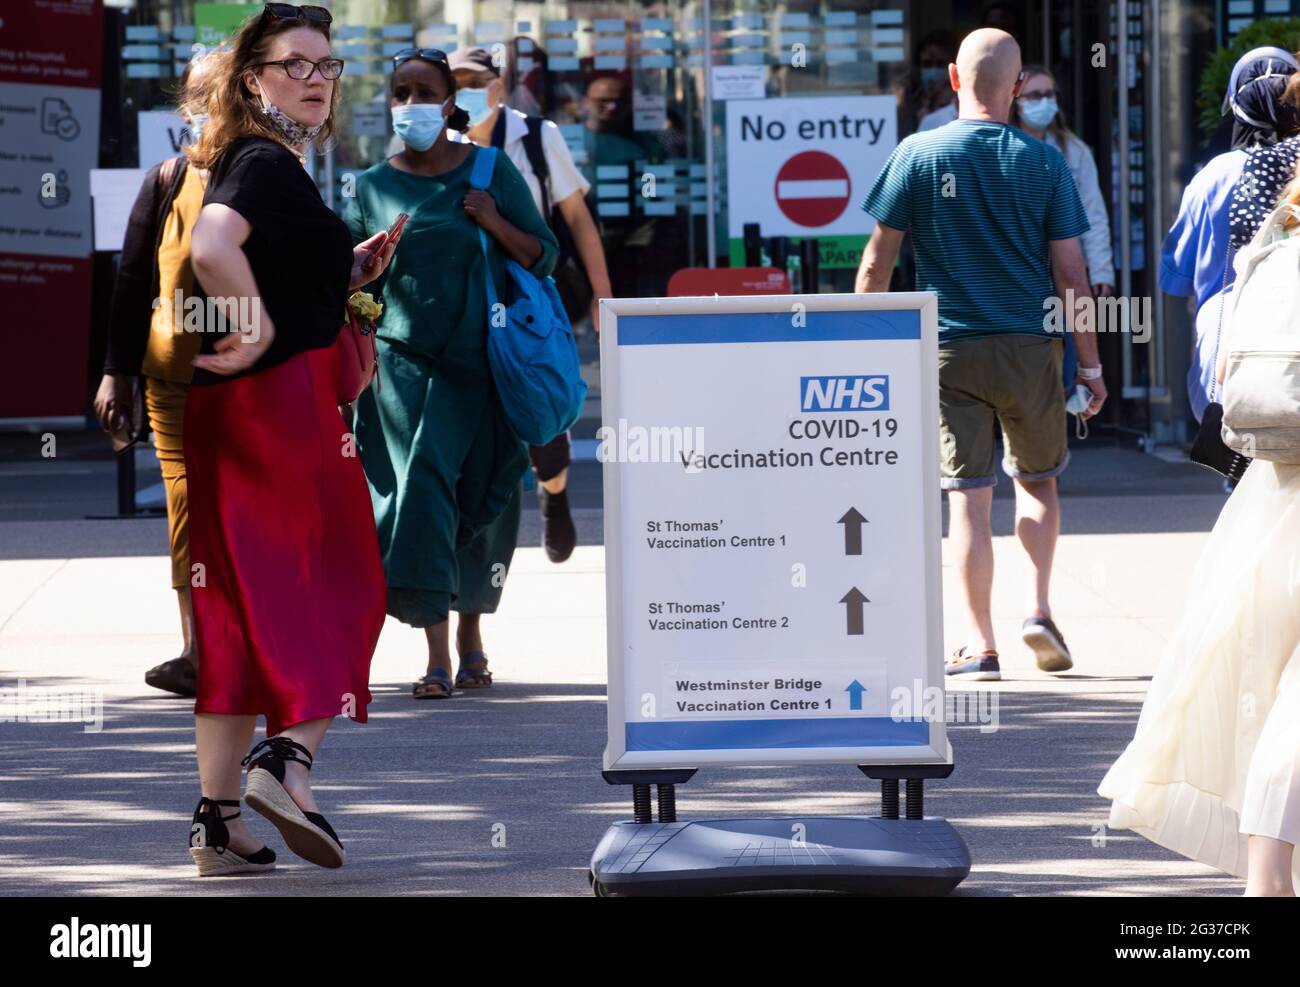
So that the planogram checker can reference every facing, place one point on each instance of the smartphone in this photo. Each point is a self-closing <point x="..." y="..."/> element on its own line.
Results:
<point x="398" y="223"/>
<point x="392" y="231"/>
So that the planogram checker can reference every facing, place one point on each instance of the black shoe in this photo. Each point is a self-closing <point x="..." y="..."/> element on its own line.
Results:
<point x="178" y="676"/>
<point x="305" y="833"/>
<point x="1048" y="644"/>
<point x="210" y="843"/>
<point x="559" y="536"/>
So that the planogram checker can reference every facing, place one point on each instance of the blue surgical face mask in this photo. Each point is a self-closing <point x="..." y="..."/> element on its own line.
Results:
<point x="197" y="122"/>
<point x="418" y="124"/>
<point x="932" y="75"/>
<point x="475" y="103"/>
<point x="1038" y="113"/>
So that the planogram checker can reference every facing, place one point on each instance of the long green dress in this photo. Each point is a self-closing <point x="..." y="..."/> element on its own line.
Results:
<point x="443" y="465"/>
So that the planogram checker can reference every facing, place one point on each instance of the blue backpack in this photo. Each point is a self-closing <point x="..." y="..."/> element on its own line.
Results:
<point x="534" y="357"/>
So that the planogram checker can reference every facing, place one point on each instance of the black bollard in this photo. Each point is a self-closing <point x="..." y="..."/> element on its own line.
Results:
<point x="778" y="249"/>
<point x="808" y="265"/>
<point x="753" y="240"/>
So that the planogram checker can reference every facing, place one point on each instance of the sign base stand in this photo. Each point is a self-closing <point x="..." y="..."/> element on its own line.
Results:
<point x="915" y="855"/>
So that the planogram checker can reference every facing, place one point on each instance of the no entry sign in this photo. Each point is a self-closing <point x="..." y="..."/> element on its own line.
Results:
<point x="800" y="167"/>
<point x="812" y="188"/>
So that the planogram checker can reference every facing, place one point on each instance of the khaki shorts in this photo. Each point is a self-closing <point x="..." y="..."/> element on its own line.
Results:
<point x="1014" y="380"/>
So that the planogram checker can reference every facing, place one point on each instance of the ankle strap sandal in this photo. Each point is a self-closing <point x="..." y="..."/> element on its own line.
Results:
<point x="305" y="833"/>
<point x="271" y="753"/>
<point x="208" y="828"/>
<point x="210" y="843"/>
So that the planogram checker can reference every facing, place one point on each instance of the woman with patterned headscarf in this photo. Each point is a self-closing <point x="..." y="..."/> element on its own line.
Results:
<point x="1194" y="260"/>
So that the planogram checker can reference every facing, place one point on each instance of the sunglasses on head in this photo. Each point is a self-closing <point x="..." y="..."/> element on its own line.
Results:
<point x="293" y="12"/>
<point x="425" y="54"/>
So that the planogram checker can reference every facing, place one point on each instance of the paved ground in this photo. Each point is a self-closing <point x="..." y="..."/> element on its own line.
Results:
<point x="425" y="794"/>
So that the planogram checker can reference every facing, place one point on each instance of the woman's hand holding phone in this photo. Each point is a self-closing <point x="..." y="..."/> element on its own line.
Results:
<point x="371" y="257"/>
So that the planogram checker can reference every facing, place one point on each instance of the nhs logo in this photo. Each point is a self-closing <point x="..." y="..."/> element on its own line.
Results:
<point x="861" y="392"/>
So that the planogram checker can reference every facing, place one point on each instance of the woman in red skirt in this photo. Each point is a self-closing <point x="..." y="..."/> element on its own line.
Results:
<point x="287" y="582"/>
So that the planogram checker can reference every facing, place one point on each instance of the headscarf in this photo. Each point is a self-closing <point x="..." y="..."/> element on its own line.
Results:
<point x="1254" y="97"/>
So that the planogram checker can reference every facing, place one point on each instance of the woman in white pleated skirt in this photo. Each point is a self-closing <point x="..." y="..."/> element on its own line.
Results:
<point x="1213" y="771"/>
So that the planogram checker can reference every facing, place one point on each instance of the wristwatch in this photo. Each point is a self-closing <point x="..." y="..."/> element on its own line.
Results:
<point x="1089" y="373"/>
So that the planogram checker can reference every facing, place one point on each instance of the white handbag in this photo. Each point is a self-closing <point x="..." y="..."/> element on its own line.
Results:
<point x="1261" y="386"/>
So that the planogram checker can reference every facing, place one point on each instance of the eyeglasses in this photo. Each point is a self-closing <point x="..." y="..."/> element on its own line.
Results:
<point x="289" y="11"/>
<point x="426" y="54"/>
<point x="302" y="68"/>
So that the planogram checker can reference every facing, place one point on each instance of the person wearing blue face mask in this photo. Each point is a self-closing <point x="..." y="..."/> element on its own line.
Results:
<point x="1038" y="113"/>
<point x="936" y="104"/>
<point x="443" y="465"/>
<point x="559" y="190"/>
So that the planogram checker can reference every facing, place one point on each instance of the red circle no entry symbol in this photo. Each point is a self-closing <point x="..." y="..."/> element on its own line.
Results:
<point x="812" y="188"/>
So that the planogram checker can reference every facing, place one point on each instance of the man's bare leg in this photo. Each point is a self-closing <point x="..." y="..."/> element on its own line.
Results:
<point x="970" y="537"/>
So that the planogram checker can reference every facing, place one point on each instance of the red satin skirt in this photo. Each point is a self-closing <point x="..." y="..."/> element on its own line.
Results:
<point x="289" y="592"/>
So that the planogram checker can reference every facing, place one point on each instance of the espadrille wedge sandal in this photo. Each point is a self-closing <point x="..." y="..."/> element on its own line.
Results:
<point x="305" y="833"/>
<point x="210" y="843"/>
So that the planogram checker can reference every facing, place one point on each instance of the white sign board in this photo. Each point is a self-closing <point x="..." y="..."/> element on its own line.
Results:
<point x="113" y="192"/>
<point x="772" y="530"/>
<point x="163" y="134"/>
<point x="649" y="111"/>
<point x="49" y="141"/>
<point x="369" y="119"/>
<point x="738" y="82"/>
<point x="801" y="167"/>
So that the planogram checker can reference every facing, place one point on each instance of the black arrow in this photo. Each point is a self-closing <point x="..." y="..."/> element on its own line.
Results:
<point x="853" y="522"/>
<point x="853" y="601"/>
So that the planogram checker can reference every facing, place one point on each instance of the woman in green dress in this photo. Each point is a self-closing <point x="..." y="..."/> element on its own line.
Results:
<point x="443" y="465"/>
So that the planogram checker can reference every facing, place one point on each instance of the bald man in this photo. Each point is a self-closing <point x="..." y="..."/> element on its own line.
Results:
<point x="995" y="221"/>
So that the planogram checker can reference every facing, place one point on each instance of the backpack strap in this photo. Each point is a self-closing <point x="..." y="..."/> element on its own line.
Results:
<point x="499" y="129"/>
<point x="537" y="161"/>
<point x="167" y="172"/>
<point x="1218" y="332"/>
<point x="480" y="177"/>
<point x="485" y="159"/>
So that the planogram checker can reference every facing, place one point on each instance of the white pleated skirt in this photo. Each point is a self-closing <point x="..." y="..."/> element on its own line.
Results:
<point x="1216" y="756"/>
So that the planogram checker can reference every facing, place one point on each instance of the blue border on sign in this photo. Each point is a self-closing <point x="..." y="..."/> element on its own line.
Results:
<point x="837" y="731"/>
<point x="767" y="327"/>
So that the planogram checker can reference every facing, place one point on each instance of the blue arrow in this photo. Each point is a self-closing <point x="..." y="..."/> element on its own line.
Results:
<point x="855" y="691"/>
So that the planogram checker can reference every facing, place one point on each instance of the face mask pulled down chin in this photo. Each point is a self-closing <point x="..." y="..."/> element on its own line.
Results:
<point x="418" y="125"/>
<point x="290" y="130"/>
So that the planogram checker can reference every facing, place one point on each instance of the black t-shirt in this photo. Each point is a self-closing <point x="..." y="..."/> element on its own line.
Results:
<point x="299" y="250"/>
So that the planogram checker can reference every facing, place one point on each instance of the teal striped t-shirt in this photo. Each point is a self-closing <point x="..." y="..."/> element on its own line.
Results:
<point x="980" y="200"/>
